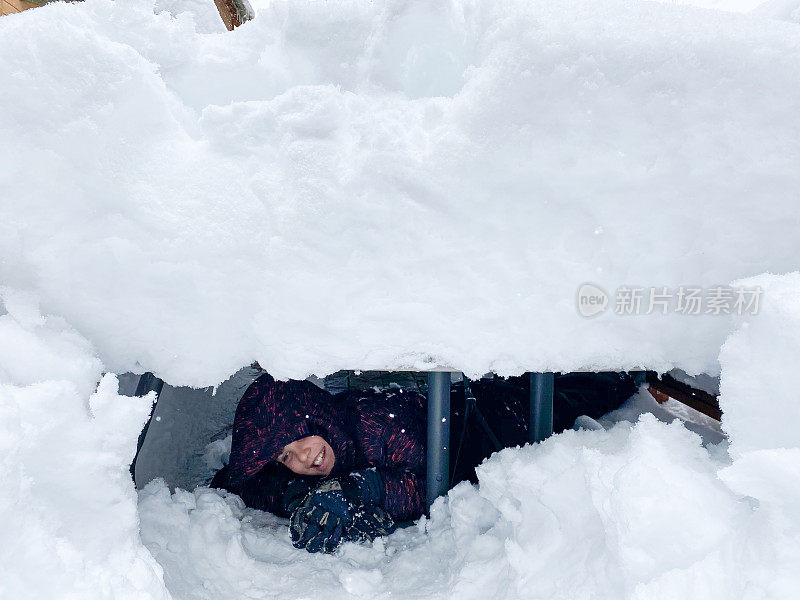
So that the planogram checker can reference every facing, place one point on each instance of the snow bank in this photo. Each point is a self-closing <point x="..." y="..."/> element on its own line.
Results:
<point x="388" y="185"/>
<point x="761" y="415"/>
<point x="641" y="510"/>
<point x="759" y="361"/>
<point x="727" y="5"/>
<point x="786" y="10"/>
<point x="385" y="185"/>
<point x="204" y="15"/>
<point x="634" y="512"/>
<point x="67" y="503"/>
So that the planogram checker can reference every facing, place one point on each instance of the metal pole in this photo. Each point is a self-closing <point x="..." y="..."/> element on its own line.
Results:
<point x="438" y="448"/>
<point x="541" y="425"/>
<point x="147" y="383"/>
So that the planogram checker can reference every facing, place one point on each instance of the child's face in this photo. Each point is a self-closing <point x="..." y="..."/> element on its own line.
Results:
<point x="310" y="455"/>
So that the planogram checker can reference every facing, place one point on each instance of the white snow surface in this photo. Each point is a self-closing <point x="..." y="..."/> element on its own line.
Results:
<point x="639" y="511"/>
<point x="68" y="514"/>
<point x="786" y="10"/>
<point x="759" y="361"/>
<point x="393" y="185"/>
<point x="726" y="5"/>
<point x="398" y="184"/>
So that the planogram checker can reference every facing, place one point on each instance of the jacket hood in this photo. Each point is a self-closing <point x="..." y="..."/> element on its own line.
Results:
<point x="273" y="414"/>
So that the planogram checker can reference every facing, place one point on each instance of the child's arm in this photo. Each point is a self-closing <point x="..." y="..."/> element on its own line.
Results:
<point x="404" y="494"/>
<point x="399" y="493"/>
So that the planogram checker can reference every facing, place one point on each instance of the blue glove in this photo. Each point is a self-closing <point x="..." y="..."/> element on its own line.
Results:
<point x="295" y="493"/>
<point x="363" y="487"/>
<point x="339" y="510"/>
<point x="368" y="523"/>
<point x="318" y="523"/>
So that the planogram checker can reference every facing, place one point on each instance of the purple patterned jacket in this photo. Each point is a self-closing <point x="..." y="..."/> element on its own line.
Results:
<point x="384" y="430"/>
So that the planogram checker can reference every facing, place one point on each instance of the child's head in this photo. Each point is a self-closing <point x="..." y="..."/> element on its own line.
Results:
<point x="310" y="455"/>
<point x="289" y="422"/>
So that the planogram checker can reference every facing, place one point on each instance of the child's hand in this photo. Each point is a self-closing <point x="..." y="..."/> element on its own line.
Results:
<point x="368" y="523"/>
<point x="318" y="523"/>
<point x="339" y="510"/>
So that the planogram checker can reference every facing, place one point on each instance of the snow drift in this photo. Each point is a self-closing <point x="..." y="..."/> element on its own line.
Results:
<point x="67" y="506"/>
<point x="407" y="184"/>
<point x="387" y="185"/>
<point x="644" y="509"/>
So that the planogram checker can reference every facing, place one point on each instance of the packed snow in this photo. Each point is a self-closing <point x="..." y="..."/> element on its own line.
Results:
<point x="393" y="185"/>
<point x="403" y="184"/>
<point x="68" y="513"/>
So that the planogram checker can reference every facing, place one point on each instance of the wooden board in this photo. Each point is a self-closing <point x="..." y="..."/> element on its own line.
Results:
<point x="8" y="7"/>
<point x="234" y="12"/>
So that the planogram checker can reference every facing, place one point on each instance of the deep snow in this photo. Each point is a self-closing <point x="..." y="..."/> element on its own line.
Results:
<point x="389" y="185"/>
<point x="398" y="184"/>
<point x="639" y="511"/>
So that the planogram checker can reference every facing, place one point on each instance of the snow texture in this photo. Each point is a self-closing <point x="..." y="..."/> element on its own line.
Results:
<point x="786" y="10"/>
<point x="67" y="506"/>
<point x="637" y="511"/>
<point x="203" y="14"/>
<point x="727" y="5"/>
<point x="388" y="185"/>
<point x="398" y="184"/>
<point x="758" y="360"/>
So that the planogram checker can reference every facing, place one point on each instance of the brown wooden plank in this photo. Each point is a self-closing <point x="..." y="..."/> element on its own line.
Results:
<point x="699" y="400"/>
<point x="234" y="12"/>
<point x="227" y="12"/>
<point x="8" y="7"/>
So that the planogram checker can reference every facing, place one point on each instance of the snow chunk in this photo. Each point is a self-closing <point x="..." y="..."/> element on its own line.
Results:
<point x="760" y="408"/>
<point x="68" y="506"/>
<point x="204" y="14"/>
<point x="393" y="185"/>
<point x="633" y="512"/>
<point x="786" y="10"/>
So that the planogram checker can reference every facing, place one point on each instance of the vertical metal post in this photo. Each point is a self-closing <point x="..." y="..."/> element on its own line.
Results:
<point x="147" y="383"/>
<point x="541" y="424"/>
<point x="438" y="448"/>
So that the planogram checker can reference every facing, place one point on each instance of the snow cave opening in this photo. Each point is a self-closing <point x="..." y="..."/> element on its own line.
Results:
<point x="188" y="436"/>
<point x="208" y="542"/>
